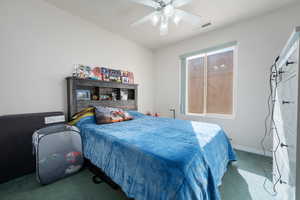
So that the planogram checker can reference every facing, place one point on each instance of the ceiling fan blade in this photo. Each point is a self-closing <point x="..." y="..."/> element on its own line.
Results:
<point x="179" y="3"/>
<point x="167" y="1"/>
<point x="190" y="18"/>
<point x="150" y="3"/>
<point x="144" y="19"/>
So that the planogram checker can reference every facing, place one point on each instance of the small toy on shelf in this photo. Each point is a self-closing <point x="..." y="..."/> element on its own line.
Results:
<point x="104" y="97"/>
<point x="102" y="73"/>
<point x="115" y="75"/>
<point x="124" y="75"/>
<point x="114" y="96"/>
<point x="81" y="71"/>
<point x="124" y="95"/>
<point x="96" y="73"/>
<point x="75" y="73"/>
<point x="130" y="78"/>
<point x="95" y="97"/>
<point x="105" y="74"/>
<point x="88" y="71"/>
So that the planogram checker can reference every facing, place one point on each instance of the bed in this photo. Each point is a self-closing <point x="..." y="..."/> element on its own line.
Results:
<point x="153" y="158"/>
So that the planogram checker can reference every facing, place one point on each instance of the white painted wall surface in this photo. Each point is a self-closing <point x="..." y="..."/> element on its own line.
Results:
<point x="260" y="40"/>
<point x="39" y="44"/>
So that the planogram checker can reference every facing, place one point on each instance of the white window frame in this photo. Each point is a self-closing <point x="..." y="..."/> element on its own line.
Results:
<point x="212" y="115"/>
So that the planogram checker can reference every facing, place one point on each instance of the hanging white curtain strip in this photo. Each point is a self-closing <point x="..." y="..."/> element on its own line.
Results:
<point x="183" y="87"/>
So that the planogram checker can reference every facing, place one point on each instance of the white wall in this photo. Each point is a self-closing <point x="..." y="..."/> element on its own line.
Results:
<point x="39" y="44"/>
<point x="260" y="41"/>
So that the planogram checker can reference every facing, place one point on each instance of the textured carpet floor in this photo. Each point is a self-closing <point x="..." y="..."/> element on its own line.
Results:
<point x="243" y="181"/>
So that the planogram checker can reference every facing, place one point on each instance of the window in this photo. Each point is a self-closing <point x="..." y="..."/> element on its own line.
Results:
<point x="209" y="82"/>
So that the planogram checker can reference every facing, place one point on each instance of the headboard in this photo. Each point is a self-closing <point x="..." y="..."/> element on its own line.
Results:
<point x="83" y="93"/>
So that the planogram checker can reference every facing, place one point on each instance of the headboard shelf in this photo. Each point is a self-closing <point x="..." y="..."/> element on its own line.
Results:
<point x="83" y="93"/>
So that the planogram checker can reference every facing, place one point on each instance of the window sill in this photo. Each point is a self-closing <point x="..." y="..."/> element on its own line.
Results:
<point x="215" y="116"/>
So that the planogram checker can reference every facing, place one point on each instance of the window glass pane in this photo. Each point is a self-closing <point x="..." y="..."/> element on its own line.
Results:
<point x="220" y="82"/>
<point x="196" y="85"/>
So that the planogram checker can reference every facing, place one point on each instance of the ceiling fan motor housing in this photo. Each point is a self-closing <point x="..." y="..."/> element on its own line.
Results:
<point x="165" y="10"/>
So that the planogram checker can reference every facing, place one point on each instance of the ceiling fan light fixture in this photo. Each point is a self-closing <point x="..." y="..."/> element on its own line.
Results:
<point x="155" y="19"/>
<point x="168" y="10"/>
<point x="163" y="30"/>
<point x="164" y="26"/>
<point x="176" y="19"/>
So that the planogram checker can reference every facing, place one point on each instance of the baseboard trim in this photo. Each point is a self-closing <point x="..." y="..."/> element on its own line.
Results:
<point x="251" y="150"/>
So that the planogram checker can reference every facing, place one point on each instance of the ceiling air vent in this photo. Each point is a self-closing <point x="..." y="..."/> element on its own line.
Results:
<point x="206" y="25"/>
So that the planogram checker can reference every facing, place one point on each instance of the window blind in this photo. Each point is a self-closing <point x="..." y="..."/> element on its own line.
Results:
<point x="183" y="75"/>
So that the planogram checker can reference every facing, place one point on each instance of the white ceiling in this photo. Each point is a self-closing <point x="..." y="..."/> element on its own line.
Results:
<point x="117" y="15"/>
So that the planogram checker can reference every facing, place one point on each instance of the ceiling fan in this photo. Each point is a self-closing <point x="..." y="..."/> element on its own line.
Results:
<point x="166" y="10"/>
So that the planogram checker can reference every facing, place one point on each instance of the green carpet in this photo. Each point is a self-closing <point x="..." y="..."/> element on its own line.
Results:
<point x="243" y="180"/>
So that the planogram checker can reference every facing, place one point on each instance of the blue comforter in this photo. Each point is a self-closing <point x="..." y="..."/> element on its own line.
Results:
<point x="159" y="158"/>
